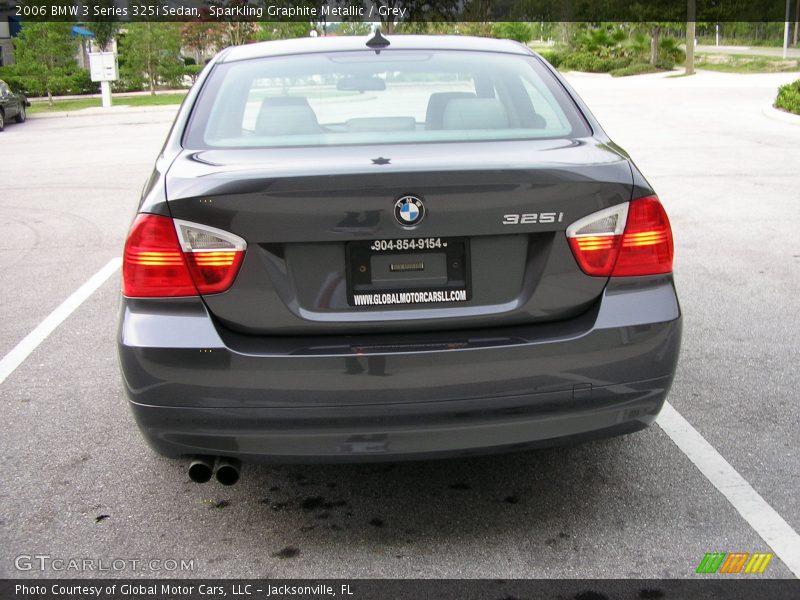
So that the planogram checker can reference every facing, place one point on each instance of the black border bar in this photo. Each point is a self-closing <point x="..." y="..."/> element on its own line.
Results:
<point x="742" y="587"/>
<point x="378" y="11"/>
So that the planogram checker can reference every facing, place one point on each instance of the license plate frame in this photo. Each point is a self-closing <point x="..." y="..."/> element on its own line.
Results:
<point x="362" y="293"/>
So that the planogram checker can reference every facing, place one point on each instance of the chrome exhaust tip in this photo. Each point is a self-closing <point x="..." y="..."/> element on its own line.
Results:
<point x="201" y="468"/>
<point x="228" y="470"/>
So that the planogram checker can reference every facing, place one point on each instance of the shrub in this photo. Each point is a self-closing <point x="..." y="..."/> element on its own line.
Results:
<point x="70" y="81"/>
<point x="513" y="30"/>
<point x="192" y="71"/>
<point x="670" y="54"/>
<point x="80" y="82"/>
<point x="19" y="82"/>
<point x="789" y="97"/>
<point x="637" y="68"/>
<point x="603" y="42"/>
<point x="665" y="62"/>
<point x="128" y="82"/>
<point x="591" y="63"/>
<point x="554" y="57"/>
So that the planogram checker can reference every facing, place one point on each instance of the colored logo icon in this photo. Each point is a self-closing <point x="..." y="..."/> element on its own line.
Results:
<point x="734" y="562"/>
<point x="409" y="211"/>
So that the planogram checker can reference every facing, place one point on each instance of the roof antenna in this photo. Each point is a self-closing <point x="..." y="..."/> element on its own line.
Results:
<point x="377" y="41"/>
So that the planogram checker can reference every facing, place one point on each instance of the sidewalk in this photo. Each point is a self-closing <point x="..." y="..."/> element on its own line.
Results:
<point x="749" y="50"/>
<point x="116" y="109"/>
<point x="114" y="95"/>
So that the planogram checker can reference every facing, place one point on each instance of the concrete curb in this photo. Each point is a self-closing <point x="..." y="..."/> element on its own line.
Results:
<point x="780" y="115"/>
<point x="38" y="99"/>
<point x="97" y="110"/>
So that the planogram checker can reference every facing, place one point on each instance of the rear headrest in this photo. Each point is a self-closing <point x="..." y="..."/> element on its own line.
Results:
<point x="286" y="115"/>
<point x="475" y="113"/>
<point x="436" y="104"/>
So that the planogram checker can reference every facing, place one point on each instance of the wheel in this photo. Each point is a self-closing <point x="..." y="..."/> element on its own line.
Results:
<point x="2" y="120"/>
<point x="21" y="116"/>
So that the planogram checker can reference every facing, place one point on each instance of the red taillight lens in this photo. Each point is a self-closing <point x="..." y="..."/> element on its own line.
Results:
<point x="153" y="264"/>
<point x="647" y="242"/>
<point x="596" y="254"/>
<point x="159" y="264"/>
<point x="626" y="240"/>
<point x="213" y="272"/>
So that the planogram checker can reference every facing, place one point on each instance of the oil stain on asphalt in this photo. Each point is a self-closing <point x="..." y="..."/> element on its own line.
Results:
<point x="288" y="552"/>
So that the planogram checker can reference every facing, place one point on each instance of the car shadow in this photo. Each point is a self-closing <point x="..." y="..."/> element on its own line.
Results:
<point x="549" y="493"/>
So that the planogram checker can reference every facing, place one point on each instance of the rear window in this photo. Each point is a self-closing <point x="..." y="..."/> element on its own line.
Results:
<point x="397" y="96"/>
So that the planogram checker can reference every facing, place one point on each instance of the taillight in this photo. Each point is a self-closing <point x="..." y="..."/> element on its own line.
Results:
<point x="213" y="255"/>
<point x="166" y="258"/>
<point x="629" y="239"/>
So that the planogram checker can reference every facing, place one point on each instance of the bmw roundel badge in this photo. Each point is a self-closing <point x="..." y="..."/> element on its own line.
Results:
<point x="409" y="211"/>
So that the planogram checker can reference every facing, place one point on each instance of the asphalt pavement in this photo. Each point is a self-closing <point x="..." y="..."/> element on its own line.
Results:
<point x="78" y="481"/>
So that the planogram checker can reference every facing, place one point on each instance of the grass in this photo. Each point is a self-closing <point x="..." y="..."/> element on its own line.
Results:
<point x="42" y="107"/>
<point x="742" y="63"/>
<point x="80" y="103"/>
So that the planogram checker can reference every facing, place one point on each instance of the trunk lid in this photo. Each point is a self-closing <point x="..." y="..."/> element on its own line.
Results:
<point x="299" y="208"/>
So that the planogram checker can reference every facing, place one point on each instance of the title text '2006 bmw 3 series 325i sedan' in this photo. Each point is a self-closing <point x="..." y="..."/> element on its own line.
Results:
<point x="358" y="249"/>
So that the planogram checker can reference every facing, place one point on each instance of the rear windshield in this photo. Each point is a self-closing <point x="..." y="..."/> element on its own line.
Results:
<point x="397" y="96"/>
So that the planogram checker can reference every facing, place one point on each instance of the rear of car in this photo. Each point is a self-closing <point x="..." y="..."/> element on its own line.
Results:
<point x="426" y="248"/>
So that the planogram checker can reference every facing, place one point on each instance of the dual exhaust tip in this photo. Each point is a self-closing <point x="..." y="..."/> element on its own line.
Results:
<point x="201" y="468"/>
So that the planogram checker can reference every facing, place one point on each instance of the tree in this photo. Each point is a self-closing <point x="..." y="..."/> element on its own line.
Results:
<point x="354" y="28"/>
<point x="282" y="30"/>
<point x="690" y="26"/>
<point x="426" y="28"/>
<point x="152" y="51"/>
<point x="104" y="28"/>
<point x="235" y="32"/>
<point x="420" y="10"/>
<point x="514" y="30"/>
<point x="45" y="52"/>
<point x="201" y="37"/>
<point x="667" y="11"/>
<point x="796" y="20"/>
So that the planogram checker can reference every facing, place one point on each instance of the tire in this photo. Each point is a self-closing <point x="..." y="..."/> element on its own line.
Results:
<point x="21" y="115"/>
<point x="2" y="120"/>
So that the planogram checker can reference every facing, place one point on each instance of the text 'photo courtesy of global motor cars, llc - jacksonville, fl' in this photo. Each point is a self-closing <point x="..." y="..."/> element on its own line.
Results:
<point x="467" y="266"/>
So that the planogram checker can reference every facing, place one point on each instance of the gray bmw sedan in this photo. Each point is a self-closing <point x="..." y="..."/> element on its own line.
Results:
<point x="358" y="249"/>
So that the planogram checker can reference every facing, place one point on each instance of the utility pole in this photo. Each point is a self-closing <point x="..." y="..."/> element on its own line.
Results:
<point x="690" y="27"/>
<point x="786" y="29"/>
<point x="796" y="21"/>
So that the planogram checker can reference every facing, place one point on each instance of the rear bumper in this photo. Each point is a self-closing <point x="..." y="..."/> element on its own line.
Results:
<point x="197" y="388"/>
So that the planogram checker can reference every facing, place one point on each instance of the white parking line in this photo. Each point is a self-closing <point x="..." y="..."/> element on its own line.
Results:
<point x="29" y="343"/>
<point x="766" y="522"/>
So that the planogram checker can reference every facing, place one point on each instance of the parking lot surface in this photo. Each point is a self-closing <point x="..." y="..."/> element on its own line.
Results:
<point x="78" y="481"/>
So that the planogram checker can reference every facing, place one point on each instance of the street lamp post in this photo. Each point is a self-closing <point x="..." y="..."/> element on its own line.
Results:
<point x="786" y="29"/>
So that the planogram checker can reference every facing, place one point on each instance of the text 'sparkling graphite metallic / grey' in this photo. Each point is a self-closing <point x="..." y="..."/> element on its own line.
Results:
<point x="429" y="248"/>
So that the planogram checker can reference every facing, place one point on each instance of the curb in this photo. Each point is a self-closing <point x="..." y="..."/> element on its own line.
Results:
<point x="780" y="115"/>
<point x="37" y="99"/>
<point x="94" y="111"/>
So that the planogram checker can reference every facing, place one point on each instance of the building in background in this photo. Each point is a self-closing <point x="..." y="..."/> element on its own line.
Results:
<point x="9" y="28"/>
